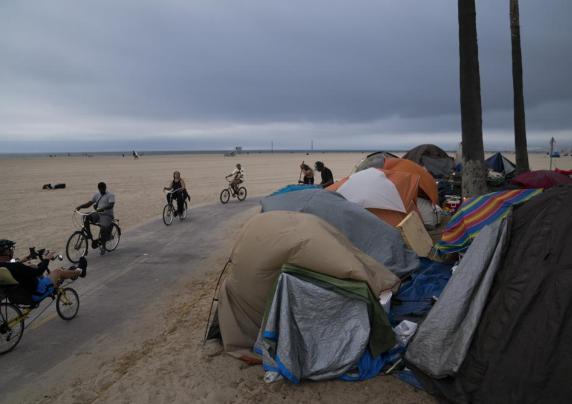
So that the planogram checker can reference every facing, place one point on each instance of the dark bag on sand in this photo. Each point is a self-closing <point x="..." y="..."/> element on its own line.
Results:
<point x="59" y="186"/>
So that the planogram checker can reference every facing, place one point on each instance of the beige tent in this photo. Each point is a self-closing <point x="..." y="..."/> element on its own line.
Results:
<point x="270" y="240"/>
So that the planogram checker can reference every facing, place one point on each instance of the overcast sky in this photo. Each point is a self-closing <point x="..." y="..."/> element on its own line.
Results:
<point x="181" y="74"/>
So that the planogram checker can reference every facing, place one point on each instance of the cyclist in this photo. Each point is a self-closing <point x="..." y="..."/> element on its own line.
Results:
<point x="103" y="203"/>
<point x="238" y="178"/>
<point x="31" y="277"/>
<point x="179" y="189"/>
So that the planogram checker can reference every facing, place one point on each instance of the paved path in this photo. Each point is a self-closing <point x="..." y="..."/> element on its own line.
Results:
<point x="149" y="261"/>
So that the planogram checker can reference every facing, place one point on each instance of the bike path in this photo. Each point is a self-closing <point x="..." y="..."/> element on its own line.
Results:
<point x="150" y="260"/>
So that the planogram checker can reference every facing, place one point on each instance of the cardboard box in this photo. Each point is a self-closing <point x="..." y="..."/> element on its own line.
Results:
<point x="415" y="236"/>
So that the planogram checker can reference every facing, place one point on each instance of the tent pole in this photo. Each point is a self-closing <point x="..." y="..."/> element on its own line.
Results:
<point x="213" y="300"/>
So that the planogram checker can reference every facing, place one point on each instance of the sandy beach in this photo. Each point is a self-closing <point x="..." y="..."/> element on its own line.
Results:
<point x="43" y="218"/>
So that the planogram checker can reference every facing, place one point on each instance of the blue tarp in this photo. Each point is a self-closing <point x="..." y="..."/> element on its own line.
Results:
<point x="369" y="367"/>
<point x="408" y="377"/>
<point x="293" y="188"/>
<point x="415" y="297"/>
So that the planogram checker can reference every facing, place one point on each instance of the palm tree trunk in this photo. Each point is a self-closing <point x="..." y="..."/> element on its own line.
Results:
<point x="519" y="118"/>
<point x="474" y="173"/>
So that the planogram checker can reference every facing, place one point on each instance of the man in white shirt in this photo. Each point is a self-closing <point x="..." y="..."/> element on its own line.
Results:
<point x="103" y="203"/>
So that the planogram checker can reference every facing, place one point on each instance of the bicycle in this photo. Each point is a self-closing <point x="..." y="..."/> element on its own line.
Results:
<point x="78" y="243"/>
<point x="227" y="192"/>
<point x="17" y="305"/>
<point x="169" y="210"/>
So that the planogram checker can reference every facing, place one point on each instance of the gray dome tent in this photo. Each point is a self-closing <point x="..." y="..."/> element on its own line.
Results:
<point x="375" y="160"/>
<point x="433" y="158"/>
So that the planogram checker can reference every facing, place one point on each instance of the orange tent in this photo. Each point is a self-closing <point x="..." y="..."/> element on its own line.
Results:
<point x="427" y="183"/>
<point x="407" y="185"/>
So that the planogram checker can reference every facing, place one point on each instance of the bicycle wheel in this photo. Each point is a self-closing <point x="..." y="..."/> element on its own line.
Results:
<point x="168" y="214"/>
<point x="114" y="237"/>
<point x="67" y="303"/>
<point x="224" y="196"/>
<point x="241" y="194"/>
<point x="185" y="211"/>
<point x="11" y="327"/>
<point x="76" y="247"/>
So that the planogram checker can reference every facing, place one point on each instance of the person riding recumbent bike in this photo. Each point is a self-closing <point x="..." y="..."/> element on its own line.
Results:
<point x="23" y="287"/>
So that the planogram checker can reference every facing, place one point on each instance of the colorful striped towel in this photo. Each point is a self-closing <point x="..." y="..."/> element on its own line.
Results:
<point x="475" y="213"/>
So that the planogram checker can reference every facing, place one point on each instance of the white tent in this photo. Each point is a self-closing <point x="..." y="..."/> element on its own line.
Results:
<point x="372" y="189"/>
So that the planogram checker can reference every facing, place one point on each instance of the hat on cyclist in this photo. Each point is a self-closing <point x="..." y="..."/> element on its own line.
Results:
<point x="6" y="244"/>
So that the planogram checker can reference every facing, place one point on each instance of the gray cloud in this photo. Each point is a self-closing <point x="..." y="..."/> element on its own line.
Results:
<point x="173" y="73"/>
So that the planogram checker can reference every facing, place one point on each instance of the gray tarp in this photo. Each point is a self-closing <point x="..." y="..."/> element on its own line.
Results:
<point x="374" y="237"/>
<point x="305" y="343"/>
<point x="443" y="339"/>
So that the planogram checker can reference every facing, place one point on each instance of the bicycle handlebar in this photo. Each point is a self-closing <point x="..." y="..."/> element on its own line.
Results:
<point x="39" y="254"/>
<point x="84" y="213"/>
<point x="173" y="191"/>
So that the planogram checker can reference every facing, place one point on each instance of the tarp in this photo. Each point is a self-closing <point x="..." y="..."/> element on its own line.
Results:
<point x="477" y="212"/>
<point x="371" y="235"/>
<point x="565" y="172"/>
<point x="270" y="240"/>
<point x="416" y="295"/>
<point x="300" y="344"/>
<point x="521" y="351"/>
<point x="433" y="158"/>
<point x="442" y="341"/>
<point x="375" y="160"/>
<point x="499" y="163"/>
<point x="294" y="188"/>
<point x="541" y="179"/>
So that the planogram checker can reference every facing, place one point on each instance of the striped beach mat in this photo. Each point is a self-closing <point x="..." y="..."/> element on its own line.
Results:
<point x="478" y="212"/>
